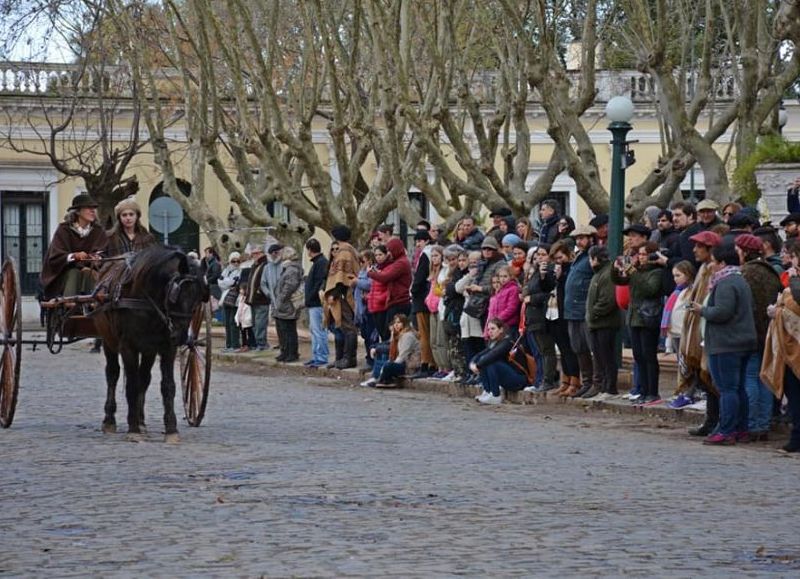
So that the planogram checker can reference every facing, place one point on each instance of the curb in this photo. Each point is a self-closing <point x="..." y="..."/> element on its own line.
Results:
<point x="659" y="414"/>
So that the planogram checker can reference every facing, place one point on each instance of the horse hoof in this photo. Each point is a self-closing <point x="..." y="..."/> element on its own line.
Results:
<point x="134" y="437"/>
<point x="172" y="438"/>
<point x="109" y="428"/>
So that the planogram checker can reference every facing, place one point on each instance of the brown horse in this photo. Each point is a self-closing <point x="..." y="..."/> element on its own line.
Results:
<point x="147" y="304"/>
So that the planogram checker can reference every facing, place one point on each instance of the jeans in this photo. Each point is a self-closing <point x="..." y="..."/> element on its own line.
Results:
<point x="367" y="328"/>
<point x="319" y="336"/>
<point x="645" y="352"/>
<point x="231" y="329"/>
<point x="502" y="374"/>
<point x="391" y="371"/>
<point x="260" y="324"/>
<point x="759" y="397"/>
<point x="728" y="371"/>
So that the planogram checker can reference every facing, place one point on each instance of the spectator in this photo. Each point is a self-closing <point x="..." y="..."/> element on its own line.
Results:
<point x="644" y="315"/>
<point x="385" y="233"/>
<point x="525" y="230"/>
<point x="603" y="321"/>
<point x="739" y="224"/>
<point x="470" y="237"/>
<point x="565" y="227"/>
<point x="637" y="235"/>
<point x="539" y="287"/>
<point x="576" y="290"/>
<point x="492" y="364"/>
<point x="600" y="223"/>
<point x="549" y="215"/>
<point x="396" y="275"/>
<point x="244" y="320"/>
<point x="790" y="225"/>
<point x="684" y="219"/>
<point x="404" y="354"/>
<point x="771" y="247"/>
<point x="439" y="332"/>
<point x="440" y="365"/>
<point x="213" y="269"/>
<point x="504" y="303"/>
<point x="557" y="325"/>
<point x="729" y="210"/>
<point x="258" y="301"/>
<point x="729" y="341"/>
<point x="765" y="285"/>
<point x="707" y="214"/>
<point x="781" y="367"/>
<point x="270" y="274"/>
<point x="362" y="287"/>
<point x="453" y="308"/>
<point x="471" y="326"/>
<point x="314" y="284"/>
<point x="289" y="301"/>
<point x="438" y="235"/>
<point x="229" y="285"/>
<point x="695" y="371"/>
<point x="419" y="291"/>
<point x="650" y="220"/>
<point x="378" y="296"/>
<point x="667" y="234"/>
<point x="672" y="321"/>
<point x="507" y="245"/>
<point x="339" y="302"/>
<point x="498" y="214"/>
<point x="518" y="254"/>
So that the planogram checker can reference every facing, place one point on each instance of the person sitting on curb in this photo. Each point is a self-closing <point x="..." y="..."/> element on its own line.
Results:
<point x="404" y="355"/>
<point x="492" y="365"/>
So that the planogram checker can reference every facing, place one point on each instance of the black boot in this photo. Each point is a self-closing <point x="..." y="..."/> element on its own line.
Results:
<point x="338" y="344"/>
<point x="712" y="417"/>
<point x="587" y="373"/>
<point x="349" y="349"/>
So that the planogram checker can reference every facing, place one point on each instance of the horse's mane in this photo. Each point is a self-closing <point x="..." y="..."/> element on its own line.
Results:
<point x="150" y="267"/>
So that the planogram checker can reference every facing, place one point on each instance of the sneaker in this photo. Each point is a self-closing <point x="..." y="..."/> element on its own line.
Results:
<point x="449" y="377"/>
<point x="531" y="389"/>
<point x="590" y="393"/>
<point x="308" y="363"/>
<point x="491" y="399"/>
<point x="633" y="394"/>
<point x="680" y="401"/>
<point x="699" y="405"/>
<point x="439" y="375"/>
<point x="242" y="350"/>
<point x="480" y="397"/>
<point x="720" y="439"/>
<point x="652" y="401"/>
<point x="602" y="397"/>
<point x="369" y="383"/>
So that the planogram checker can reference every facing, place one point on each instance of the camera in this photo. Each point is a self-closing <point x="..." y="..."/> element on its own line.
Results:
<point x="653" y="256"/>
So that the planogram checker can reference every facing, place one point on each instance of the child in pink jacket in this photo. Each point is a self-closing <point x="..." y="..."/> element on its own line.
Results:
<point x="504" y="303"/>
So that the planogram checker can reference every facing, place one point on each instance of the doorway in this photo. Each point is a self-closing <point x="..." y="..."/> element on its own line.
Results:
<point x="23" y="221"/>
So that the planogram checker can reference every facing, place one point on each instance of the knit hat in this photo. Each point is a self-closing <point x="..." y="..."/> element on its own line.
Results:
<point x="127" y="204"/>
<point x="511" y="239"/>
<point x="341" y="233"/>
<point x="234" y="255"/>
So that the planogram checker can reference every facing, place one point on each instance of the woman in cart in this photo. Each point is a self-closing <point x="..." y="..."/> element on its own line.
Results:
<point x="78" y="241"/>
<point x="127" y="235"/>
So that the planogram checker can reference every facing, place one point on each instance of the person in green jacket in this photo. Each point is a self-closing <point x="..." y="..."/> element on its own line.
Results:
<point x="644" y="277"/>
<point x="603" y="320"/>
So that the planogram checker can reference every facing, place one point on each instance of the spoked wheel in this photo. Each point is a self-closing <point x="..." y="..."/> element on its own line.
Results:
<point x="195" y="360"/>
<point x="10" y="340"/>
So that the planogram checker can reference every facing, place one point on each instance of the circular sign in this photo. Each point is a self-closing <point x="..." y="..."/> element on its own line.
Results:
<point x="165" y="215"/>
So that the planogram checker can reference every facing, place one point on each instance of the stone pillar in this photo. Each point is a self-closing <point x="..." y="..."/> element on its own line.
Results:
<point x="773" y="180"/>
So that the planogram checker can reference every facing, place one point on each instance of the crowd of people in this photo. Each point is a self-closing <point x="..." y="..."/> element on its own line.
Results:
<point x="702" y="282"/>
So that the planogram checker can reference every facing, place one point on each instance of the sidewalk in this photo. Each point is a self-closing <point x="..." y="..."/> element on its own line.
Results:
<point x="660" y="413"/>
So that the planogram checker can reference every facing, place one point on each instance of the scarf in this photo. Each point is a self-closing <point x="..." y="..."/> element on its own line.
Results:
<point x="722" y="274"/>
<point x="782" y="348"/>
<point x="666" y="317"/>
<point x="81" y="231"/>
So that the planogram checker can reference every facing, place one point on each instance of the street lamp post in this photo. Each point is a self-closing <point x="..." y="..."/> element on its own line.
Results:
<point x="619" y="111"/>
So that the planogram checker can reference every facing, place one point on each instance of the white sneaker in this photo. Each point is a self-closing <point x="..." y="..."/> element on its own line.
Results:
<point x="451" y="377"/>
<point x="530" y="389"/>
<point x="369" y="383"/>
<point x="492" y="399"/>
<point x="482" y="396"/>
<point x="602" y="396"/>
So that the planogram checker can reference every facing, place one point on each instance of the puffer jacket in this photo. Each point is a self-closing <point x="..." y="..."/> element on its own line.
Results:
<point x="576" y="288"/>
<point x="289" y="282"/>
<point x="396" y="275"/>
<point x="505" y="306"/>
<point x="378" y="296"/>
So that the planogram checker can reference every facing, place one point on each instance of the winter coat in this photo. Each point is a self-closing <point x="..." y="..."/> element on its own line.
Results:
<point x="777" y="263"/>
<point x="498" y="352"/>
<point x="409" y="351"/>
<point x="548" y="232"/>
<point x="576" y="287"/>
<point x="361" y="295"/>
<point x="378" y="297"/>
<point x="645" y="284"/>
<point x="729" y="317"/>
<point x="420" y="284"/>
<point x="315" y="281"/>
<point x="473" y="241"/>
<point x="229" y="280"/>
<point x="453" y="300"/>
<point x="538" y="289"/>
<point x="765" y="285"/>
<point x="601" y="302"/>
<point x="505" y="305"/>
<point x="67" y="240"/>
<point x="396" y="275"/>
<point x="290" y="281"/>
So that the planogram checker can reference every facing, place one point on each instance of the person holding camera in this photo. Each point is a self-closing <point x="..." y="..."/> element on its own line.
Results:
<point x="641" y="271"/>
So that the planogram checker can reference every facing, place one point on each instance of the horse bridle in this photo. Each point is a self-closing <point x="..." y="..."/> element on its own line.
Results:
<point x="173" y="293"/>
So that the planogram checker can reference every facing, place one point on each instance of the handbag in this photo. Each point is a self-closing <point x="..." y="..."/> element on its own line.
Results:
<point x="477" y="305"/>
<point x="529" y="366"/>
<point x="231" y="297"/>
<point x="552" y="307"/>
<point x="649" y="311"/>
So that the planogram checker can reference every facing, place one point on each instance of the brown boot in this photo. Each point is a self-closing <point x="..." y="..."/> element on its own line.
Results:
<point x="561" y="389"/>
<point x="574" y="386"/>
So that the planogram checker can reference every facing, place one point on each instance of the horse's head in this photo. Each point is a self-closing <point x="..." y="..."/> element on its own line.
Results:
<point x="186" y="290"/>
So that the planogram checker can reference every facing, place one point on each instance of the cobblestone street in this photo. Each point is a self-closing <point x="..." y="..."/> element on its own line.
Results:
<point x="292" y="476"/>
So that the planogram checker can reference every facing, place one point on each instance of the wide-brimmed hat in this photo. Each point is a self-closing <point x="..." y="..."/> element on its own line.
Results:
<point x="583" y="230"/>
<point x="83" y="200"/>
<point x="500" y="212"/>
<point x="791" y="218"/>
<point x="637" y="228"/>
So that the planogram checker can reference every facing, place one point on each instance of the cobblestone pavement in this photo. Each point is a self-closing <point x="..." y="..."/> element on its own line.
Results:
<point x="287" y="477"/>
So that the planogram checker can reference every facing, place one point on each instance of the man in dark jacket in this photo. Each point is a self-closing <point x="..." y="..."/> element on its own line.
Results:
<point x="684" y="217"/>
<point x="576" y="291"/>
<point x="603" y="320"/>
<point x="472" y="236"/>
<point x="549" y="214"/>
<point x="707" y="216"/>
<point x="315" y="283"/>
<point x="258" y="301"/>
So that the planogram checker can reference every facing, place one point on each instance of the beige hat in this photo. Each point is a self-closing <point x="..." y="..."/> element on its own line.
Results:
<point x="583" y="230"/>
<point x="490" y="242"/>
<point x="707" y="204"/>
<point x="129" y="203"/>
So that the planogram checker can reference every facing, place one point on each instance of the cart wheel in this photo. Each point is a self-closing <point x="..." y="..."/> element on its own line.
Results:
<point x="10" y="340"/>
<point x="195" y="360"/>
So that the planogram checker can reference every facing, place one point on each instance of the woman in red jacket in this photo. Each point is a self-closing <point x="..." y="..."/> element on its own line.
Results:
<point x="396" y="275"/>
<point x="378" y="296"/>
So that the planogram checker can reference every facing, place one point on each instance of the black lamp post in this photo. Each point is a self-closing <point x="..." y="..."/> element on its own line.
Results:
<point x="619" y="111"/>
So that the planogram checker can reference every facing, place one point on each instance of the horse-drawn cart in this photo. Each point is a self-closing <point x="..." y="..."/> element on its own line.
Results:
<point x="69" y="319"/>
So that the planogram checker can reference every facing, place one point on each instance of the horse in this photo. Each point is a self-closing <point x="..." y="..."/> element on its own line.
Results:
<point x="146" y="304"/>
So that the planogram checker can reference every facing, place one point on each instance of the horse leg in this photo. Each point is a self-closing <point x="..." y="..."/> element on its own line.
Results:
<point x="130" y="361"/>
<point x="112" y="376"/>
<point x="167" y="361"/>
<point x="145" y="375"/>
